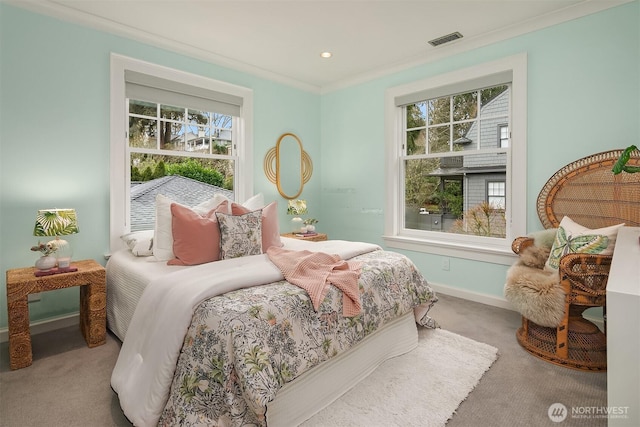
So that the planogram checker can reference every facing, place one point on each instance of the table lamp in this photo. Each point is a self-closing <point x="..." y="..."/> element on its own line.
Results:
<point x="58" y="222"/>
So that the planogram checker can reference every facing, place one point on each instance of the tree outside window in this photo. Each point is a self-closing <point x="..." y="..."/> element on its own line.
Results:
<point x="166" y="140"/>
<point x="452" y="146"/>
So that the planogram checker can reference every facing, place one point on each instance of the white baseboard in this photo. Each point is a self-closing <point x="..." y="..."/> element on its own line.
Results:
<point x="46" y="325"/>
<point x="494" y="301"/>
<point x="491" y="300"/>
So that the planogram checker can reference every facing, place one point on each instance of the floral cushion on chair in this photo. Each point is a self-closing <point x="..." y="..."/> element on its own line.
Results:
<point x="240" y="235"/>
<point x="572" y="237"/>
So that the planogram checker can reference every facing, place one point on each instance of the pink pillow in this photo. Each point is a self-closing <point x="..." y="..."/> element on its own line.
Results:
<point x="196" y="239"/>
<point x="270" y="227"/>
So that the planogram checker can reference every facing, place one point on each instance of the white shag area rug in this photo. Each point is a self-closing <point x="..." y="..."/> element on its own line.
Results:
<point x="421" y="388"/>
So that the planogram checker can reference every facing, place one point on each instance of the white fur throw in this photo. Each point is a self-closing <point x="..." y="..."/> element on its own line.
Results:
<point x="534" y="292"/>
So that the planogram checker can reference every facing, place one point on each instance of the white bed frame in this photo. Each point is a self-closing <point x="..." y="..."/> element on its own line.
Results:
<point x="308" y="394"/>
<point x="316" y="389"/>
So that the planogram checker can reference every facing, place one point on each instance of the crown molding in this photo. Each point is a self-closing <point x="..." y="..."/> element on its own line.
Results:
<point x="64" y="13"/>
<point x="435" y="54"/>
<point x="67" y="14"/>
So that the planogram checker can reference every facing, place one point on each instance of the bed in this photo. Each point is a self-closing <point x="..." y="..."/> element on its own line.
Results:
<point x="232" y="343"/>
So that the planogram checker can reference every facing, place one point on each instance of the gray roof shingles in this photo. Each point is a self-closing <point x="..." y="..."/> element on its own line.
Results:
<point x="181" y="189"/>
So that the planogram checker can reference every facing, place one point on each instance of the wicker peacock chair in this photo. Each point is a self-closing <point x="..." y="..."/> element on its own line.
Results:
<point x="590" y="194"/>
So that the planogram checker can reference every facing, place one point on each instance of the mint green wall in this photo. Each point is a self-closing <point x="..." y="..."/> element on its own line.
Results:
<point x="54" y="135"/>
<point x="584" y="97"/>
<point x="584" y="93"/>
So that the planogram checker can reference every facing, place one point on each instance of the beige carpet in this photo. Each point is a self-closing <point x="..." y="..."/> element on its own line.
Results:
<point x="68" y="383"/>
<point x="421" y="388"/>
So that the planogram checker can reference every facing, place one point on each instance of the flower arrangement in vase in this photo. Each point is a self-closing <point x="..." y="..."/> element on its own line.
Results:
<point x="310" y="224"/>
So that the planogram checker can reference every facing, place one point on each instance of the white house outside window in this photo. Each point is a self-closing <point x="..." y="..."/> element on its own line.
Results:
<point x="185" y="153"/>
<point x="185" y="136"/>
<point x="449" y="161"/>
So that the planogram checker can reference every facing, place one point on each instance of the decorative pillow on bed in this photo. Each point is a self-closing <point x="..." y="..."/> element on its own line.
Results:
<point x="240" y="235"/>
<point x="205" y="207"/>
<point x="163" y="233"/>
<point x="572" y="237"/>
<point x="270" y="226"/>
<point x="254" y="202"/>
<point x="196" y="239"/>
<point x="139" y="242"/>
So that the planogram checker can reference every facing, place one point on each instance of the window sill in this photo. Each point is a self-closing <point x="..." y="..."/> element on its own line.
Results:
<point x="473" y="252"/>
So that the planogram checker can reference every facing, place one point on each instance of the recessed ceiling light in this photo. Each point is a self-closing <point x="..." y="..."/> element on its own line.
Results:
<point x="326" y="54"/>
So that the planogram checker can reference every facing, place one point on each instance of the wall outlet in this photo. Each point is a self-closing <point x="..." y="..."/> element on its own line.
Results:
<point x="445" y="264"/>
<point x="34" y="297"/>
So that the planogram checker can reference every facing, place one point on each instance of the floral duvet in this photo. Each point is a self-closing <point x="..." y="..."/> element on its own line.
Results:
<point x="243" y="346"/>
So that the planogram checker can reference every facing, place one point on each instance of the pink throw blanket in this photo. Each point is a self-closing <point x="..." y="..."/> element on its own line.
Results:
<point x="313" y="271"/>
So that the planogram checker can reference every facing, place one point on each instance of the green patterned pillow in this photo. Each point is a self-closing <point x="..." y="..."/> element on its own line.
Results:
<point x="240" y="235"/>
<point x="572" y="237"/>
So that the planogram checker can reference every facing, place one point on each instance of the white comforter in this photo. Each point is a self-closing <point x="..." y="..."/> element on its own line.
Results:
<point x="146" y="364"/>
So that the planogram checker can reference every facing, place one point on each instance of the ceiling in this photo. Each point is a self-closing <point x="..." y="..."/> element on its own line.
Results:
<point x="282" y="40"/>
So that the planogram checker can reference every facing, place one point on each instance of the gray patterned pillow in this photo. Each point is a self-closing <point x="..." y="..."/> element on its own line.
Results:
<point x="240" y="235"/>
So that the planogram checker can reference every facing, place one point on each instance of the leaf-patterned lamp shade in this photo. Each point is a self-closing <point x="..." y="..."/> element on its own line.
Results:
<point x="56" y="222"/>
<point x="297" y="207"/>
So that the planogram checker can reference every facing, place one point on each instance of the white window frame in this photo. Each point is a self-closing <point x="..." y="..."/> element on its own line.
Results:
<point x="487" y="249"/>
<point x="119" y="177"/>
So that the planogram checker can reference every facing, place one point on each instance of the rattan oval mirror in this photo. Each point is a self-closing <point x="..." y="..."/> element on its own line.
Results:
<point x="288" y="166"/>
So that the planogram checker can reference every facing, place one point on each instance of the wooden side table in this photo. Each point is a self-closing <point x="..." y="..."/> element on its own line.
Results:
<point x="21" y="282"/>
<point x="315" y="238"/>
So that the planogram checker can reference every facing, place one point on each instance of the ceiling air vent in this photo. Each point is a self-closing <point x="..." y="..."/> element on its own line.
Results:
<point x="445" y="39"/>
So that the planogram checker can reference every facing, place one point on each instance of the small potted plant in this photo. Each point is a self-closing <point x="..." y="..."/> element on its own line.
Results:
<point x="310" y="224"/>
<point x="621" y="164"/>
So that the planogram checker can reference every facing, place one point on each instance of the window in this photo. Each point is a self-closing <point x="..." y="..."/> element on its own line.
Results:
<point x="450" y="187"/>
<point x="182" y="153"/>
<point x="503" y="134"/>
<point x="496" y="194"/>
<point x="186" y="137"/>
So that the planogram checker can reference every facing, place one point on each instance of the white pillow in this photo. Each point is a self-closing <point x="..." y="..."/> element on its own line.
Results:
<point x="572" y="237"/>
<point x="254" y="203"/>
<point x="139" y="242"/>
<point x="163" y="245"/>
<point x="208" y="205"/>
<point x="163" y="232"/>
